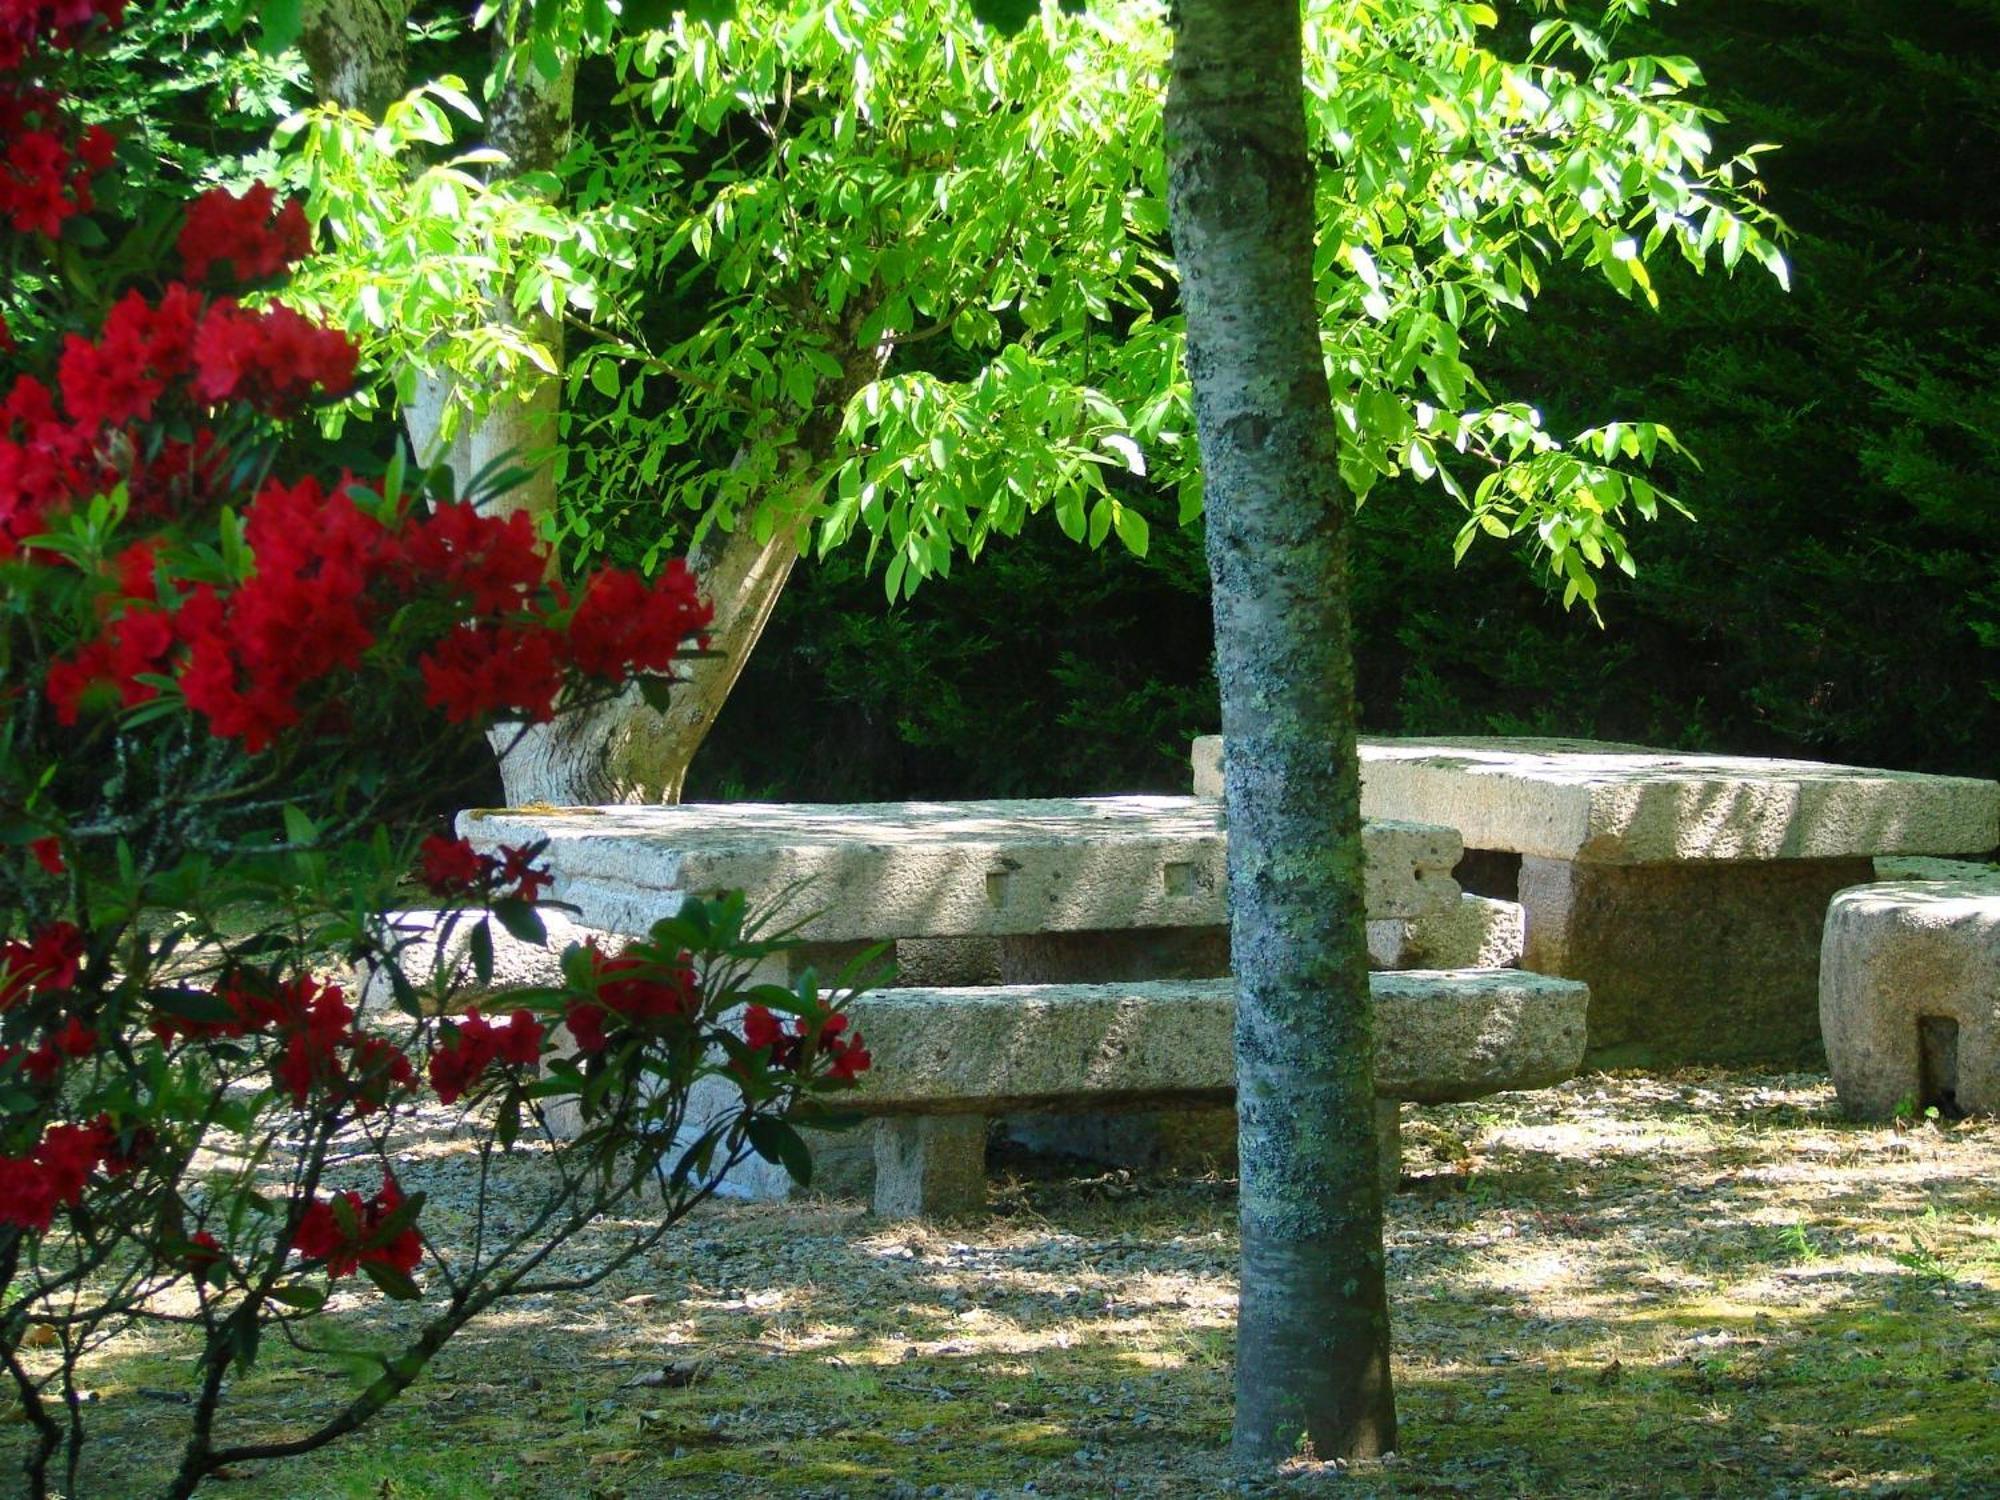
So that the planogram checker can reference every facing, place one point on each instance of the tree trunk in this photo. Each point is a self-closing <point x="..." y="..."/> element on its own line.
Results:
<point x="355" y="49"/>
<point x="1312" y="1367"/>
<point x="621" y="751"/>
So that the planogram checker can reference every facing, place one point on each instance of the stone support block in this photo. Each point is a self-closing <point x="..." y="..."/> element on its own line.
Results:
<point x="1696" y="963"/>
<point x="1909" y="997"/>
<point x="1478" y="933"/>
<point x="930" y="1166"/>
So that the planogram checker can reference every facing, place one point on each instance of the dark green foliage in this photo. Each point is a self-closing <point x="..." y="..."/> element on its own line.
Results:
<point x="1043" y="668"/>
<point x="1838" y="597"/>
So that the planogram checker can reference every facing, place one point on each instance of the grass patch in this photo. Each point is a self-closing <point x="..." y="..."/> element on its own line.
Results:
<point x="1700" y="1285"/>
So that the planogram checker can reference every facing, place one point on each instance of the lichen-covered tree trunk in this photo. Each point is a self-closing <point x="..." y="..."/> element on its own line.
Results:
<point x="1313" y="1323"/>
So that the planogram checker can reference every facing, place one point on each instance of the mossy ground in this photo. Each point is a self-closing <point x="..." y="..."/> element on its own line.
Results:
<point x="1702" y="1285"/>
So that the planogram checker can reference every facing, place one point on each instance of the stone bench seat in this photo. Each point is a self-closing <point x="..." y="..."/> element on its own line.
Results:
<point x="948" y="1059"/>
<point x="1910" y="996"/>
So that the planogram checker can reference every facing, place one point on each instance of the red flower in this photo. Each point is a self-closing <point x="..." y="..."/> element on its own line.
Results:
<point x="48" y="854"/>
<point x="33" y="1187"/>
<point x="787" y="1043"/>
<point x="51" y="960"/>
<point x="250" y="235"/>
<point x="491" y="564"/>
<point x="586" y="1025"/>
<point x="451" y="867"/>
<point x="479" y="672"/>
<point x="321" y="1234"/>
<point x="272" y="359"/>
<point x="517" y="868"/>
<point x="474" y="1044"/>
<point x="624" y="625"/>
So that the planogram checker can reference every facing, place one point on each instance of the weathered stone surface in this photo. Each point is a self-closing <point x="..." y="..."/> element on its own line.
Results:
<point x="925" y="962"/>
<point x="516" y="965"/>
<point x="930" y="1166"/>
<point x="1113" y="957"/>
<point x="1922" y="867"/>
<point x="1626" y="804"/>
<point x="1696" y="963"/>
<point x="966" y="869"/>
<point x="1909" y="996"/>
<point x="1478" y="933"/>
<point x="1440" y="1037"/>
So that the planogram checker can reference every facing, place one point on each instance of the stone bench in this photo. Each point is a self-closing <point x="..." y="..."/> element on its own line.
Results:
<point x="1688" y="891"/>
<point x="1909" y="996"/>
<point x="946" y="1060"/>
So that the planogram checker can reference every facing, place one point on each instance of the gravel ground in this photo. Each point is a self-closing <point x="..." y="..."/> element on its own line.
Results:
<point x="1700" y="1285"/>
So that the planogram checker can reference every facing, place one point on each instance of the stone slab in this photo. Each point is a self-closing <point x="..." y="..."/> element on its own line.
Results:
<point x="1909" y="996"/>
<point x="1607" y="803"/>
<point x="882" y="871"/>
<point x="1441" y="1036"/>
<point x="1480" y="932"/>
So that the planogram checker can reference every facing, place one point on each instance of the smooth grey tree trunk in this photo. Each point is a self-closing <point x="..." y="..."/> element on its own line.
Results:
<point x="1312" y="1365"/>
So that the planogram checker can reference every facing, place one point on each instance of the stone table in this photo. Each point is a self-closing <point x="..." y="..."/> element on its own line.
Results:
<point x="1075" y="889"/>
<point x="1688" y="891"/>
<point x="1067" y="891"/>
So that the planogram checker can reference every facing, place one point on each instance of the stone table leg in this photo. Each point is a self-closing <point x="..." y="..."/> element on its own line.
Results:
<point x="930" y="1166"/>
<point x="1688" y="963"/>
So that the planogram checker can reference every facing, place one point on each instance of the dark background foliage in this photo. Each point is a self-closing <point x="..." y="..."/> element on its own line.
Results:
<point x="1837" y="597"/>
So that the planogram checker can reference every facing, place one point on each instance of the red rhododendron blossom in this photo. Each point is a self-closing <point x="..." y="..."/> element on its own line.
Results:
<point x="624" y="625"/>
<point x="51" y="960"/>
<point x="254" y="237"/>
<point x="490" y="564"/>
<point x="33" y="1187"/>
<point x="27" y="24"/>
<point x="634" y="993"/>
<point x="345" y="1247"/>
<point x="300" y="619"/>
<point x="376" y="1069"/>
<point x="204" y="1254"/>
<point x="481" y="672"/>
<point x="117" y="379"/>
<point x="787" y="1043"/>
<point x="474" y="1044"/>
<point x="518" y="869"/>
<point x="48" y="854"/>
<point x="46" y="164"/>
<point x="451" y="867"/>
<point x="272" y="360"/>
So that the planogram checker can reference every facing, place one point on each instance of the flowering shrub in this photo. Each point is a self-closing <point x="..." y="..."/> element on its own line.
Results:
<point x="228" y="685"/>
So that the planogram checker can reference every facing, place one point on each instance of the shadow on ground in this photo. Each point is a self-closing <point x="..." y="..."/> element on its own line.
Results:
<point x="1703" y="1285"/>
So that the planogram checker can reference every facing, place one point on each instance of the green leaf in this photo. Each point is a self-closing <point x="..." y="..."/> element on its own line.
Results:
<point x="280" y="22"/>
<point x="521" y="920"/>
<point x="776" y="1141"/>
<point x="392" y="1283"/>
<point x="300" y="1296"/>
<point x="1132" y="529"/>
<point x="481" y="943"/>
